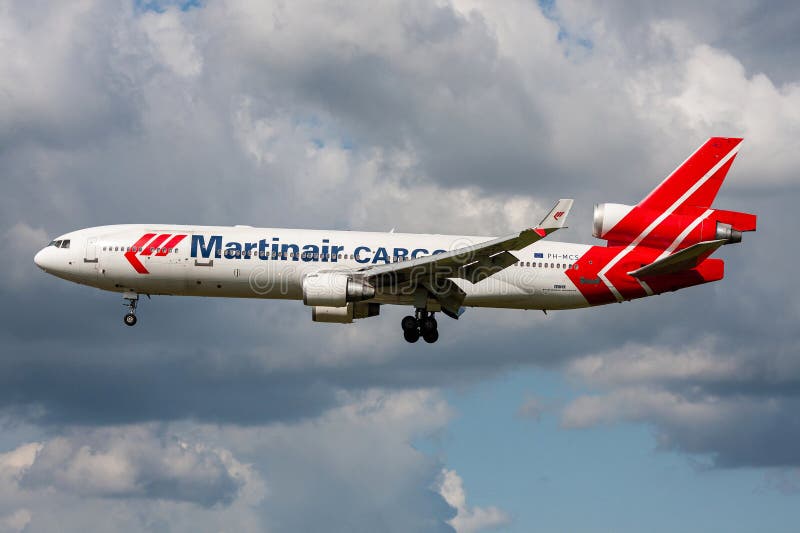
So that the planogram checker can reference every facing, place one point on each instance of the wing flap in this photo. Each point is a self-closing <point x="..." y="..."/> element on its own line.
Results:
<point x="486" y="267"/>
<point x="685" y="259"/>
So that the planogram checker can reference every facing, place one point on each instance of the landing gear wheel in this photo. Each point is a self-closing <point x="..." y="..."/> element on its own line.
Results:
<point x="132" y="298"/>
<point x="408" y="323"/>
<point x="422" y="324"/>
<point x="411" y="335"/>
<point x="427" y="324"/>
<point x="431" y="336"/>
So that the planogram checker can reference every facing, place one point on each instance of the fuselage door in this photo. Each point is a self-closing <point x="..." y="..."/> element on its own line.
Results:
<point x="91" y="250"/>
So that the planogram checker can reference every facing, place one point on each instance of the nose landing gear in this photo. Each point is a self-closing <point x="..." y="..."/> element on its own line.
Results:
<point x="421" y="325"/>
<point x="132" y="299"/>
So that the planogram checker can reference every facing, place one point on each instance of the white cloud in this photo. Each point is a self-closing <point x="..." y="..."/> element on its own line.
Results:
<point x="637" y="364"/>
<point x="640" y="404"/>
<point x="468" y="519"/>
<point x="16" y="521"/>
<point x="13" y="463"/>
<point x="173" y="43"/>
<point x="127" y="478"/>
<point x="130" y="462"/>
<point x="706" y="91"/>
<point x="706" y="399"/>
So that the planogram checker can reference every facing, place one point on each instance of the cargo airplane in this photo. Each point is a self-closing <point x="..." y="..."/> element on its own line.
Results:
<point x="661" y="244"/>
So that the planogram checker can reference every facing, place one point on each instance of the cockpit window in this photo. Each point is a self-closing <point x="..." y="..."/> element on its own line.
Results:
<point x="57" y="244"/>
<point x="64" y="243"/>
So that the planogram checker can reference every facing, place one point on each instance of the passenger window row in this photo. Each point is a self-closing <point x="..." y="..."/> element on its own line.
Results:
<point x="139" y="249"/>
<point x="284" y="255"/>
<point x="534" y="264"/>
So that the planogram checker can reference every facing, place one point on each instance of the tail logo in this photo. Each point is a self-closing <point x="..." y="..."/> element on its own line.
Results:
<point x="558" y="215"/>
<point x="147" y="245"/>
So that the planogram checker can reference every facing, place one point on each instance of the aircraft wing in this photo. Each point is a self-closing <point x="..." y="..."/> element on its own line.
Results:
<point x="472" y="263"/>
<point x="685" y="259"/>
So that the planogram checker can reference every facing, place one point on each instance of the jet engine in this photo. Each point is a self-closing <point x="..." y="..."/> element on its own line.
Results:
<point x="606" y="216"/>
<point x="726" y="231"/>
<point x="334" y="289"/>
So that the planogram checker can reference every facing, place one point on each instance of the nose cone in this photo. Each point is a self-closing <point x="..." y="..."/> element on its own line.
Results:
<point x="46" y="260"/>
<point x="39" y="258"/>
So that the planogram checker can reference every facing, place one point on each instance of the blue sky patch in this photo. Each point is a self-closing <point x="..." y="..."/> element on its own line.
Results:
<point x="160" y="6"/>
<point x="549" y="10"/>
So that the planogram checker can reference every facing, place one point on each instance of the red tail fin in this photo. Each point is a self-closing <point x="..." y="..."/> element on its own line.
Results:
<point x="697" y="180"/>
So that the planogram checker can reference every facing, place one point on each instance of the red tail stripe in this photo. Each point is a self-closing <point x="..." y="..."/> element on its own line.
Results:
<point x="172" y="243"/>
<point x="130" y="255"/>
<point x="155" y="244"/>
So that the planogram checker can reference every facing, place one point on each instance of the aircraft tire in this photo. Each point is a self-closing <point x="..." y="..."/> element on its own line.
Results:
<point x="411" y="335"/>
<point x="428" y="324"/>
<point x="130" y="319"/>
<point x="431" y="336"/>
<point x="408" y="323"/>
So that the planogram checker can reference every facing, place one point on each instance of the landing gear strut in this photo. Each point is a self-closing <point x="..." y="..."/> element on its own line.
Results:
<point x="422" y="324"/>
<point x="133" y="299"/>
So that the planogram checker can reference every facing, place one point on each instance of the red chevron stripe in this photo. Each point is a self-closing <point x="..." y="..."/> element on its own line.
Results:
<point x="130" y="255"/>
<point x="149" y="249"/>
<point x="172" y="243"/>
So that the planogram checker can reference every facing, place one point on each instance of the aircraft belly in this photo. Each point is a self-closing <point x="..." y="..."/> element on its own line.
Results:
<point x="163" y="277"/>
<point x="524" y="288"/>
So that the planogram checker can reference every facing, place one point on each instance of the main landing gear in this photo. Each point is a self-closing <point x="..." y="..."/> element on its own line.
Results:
<point x="421" y="325"/>
<point x="133" y="299"/>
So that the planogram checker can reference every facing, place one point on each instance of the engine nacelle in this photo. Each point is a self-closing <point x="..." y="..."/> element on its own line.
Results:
<point x="334" y="289"/>
<point x="606" y="216"/>
<point x="611" y="222"/>
<point x="726" y="231"/>
<point x="346" y="314"/>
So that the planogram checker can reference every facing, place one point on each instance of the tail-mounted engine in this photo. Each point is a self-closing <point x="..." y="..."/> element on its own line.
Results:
<point x="623" y="224"/>
<point x="606" y="216"/>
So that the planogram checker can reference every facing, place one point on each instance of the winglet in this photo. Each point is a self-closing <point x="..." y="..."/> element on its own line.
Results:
<point x="555" y="218"/>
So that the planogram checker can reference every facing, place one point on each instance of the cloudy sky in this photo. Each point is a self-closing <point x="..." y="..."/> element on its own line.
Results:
<point x="680" y="412"/>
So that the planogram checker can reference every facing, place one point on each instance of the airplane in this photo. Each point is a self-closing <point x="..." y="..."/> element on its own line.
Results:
<point x="661" y="244"/>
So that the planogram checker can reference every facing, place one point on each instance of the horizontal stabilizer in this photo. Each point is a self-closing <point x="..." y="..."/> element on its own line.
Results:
<point x="685" y="259"/>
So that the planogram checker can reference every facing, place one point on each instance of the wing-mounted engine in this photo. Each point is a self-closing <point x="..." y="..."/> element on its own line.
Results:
<point x="338" y="297"/>
<point x="335" y="289"/>
<point x="622" y="225"/>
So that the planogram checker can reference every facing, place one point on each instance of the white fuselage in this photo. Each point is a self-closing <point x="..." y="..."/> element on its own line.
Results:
<point x="246" y="262"/>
